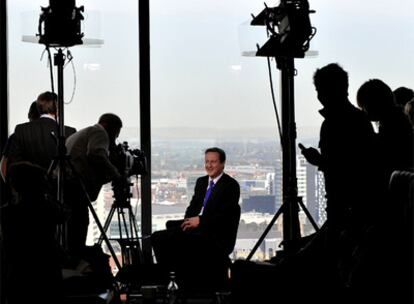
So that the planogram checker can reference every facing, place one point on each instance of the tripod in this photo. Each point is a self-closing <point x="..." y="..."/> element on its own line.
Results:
<point x="291" y="201"/>
<point x="62" y="161"/>
<point x="128" y="239"/>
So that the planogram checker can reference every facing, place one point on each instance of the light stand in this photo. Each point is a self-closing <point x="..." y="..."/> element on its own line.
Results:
<point x="291" y="19"/>
<point x="291" y="230"/>
<point x="291" y="200"/>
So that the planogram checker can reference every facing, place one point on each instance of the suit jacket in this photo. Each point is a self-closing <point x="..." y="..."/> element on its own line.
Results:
<point x="221" y="215"/>
<point x="36" y="142"/>
<point x="89" y="151"/>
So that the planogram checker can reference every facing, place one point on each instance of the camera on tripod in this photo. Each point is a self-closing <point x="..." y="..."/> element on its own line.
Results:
<point x="60" y="24"/>
<point x="128" y="161"/>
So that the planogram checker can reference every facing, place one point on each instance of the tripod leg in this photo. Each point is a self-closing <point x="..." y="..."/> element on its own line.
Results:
<point x="263" y="236"/>
<point x="134" y="233"/>
<point x="95" y="217"/>
<point x="107" y="223"/>
<point x="308" y="215"/>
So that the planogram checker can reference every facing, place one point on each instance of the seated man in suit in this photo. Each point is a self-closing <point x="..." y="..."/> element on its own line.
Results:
<point x="207" y="235"/>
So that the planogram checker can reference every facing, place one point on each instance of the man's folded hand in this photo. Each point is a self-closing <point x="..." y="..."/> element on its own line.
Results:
<point x="190" y="223"/>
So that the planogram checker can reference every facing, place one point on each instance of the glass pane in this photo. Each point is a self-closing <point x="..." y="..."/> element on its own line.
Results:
<point x="100" y="78"/>
<point x="206" y="93"/>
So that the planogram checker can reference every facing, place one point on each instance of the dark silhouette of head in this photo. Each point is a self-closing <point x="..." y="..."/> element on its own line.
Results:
<point x="112" y="124"/>
<point x="47" y="103"/>
<point x="33" y="112"/>
<point x="331" y="84"/>
<point x="403" y="95"/>
<point x="409" y="110"/>
<point x="27" y="179"/>
<point x="376" y="98"/>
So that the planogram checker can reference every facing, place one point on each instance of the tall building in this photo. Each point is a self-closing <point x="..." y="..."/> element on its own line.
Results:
<point x="320" y="196"/>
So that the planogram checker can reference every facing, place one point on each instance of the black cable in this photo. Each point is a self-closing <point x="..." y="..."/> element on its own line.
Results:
<point x="70" y="60"/>
<point x="272" y="91"/>
<point x="274" y="102"/>
<point x="49" y="56"/>
<point x="269" y="32"/>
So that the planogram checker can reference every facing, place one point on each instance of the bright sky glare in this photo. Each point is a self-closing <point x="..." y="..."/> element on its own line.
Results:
<point x="199" y="77"/>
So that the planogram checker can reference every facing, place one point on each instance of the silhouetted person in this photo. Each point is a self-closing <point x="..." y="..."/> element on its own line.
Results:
<point x="346" y="143"/>
<point x="402" y="96"/>
<point x="36" y="140"/>
<point x="409" y="110"/>
<point x="198" y="247"/>
<point x="33" y="113"/>
<point x="345" y="158"/>
<point x="395" y="147"/>
<point x="28" y="234"/>
<point x="89" y="151"/>
<point x="378" y="272"/>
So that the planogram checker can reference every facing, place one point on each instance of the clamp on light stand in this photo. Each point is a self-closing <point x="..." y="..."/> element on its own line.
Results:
<point x="290" y="33"/>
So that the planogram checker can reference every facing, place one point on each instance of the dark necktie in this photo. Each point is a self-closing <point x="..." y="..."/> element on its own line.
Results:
<point x="209" y="190"/>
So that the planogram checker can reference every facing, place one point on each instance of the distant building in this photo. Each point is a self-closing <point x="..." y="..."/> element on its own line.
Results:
<point x="320" y="196"/>
<point x="278" y="182"/>
<point x="260" y="203"/>
<point x="191" y="181"/>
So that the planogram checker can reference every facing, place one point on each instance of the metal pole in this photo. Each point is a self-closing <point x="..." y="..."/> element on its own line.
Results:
<point x="59" y="61"/>
<point x="4" y="123"/>
<point x="291" y="228"/>
<point x="145" y="125"/>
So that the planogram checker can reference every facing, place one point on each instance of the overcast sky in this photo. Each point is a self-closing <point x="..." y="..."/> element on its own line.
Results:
<point x="199" y="77"/>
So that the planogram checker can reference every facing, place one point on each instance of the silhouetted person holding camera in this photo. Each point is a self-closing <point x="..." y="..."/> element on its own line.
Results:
<point x="89" y="152"/>
<point x="345" y="158"/>
<point x="28" y="232"/>
<point x="198" y="246"/>
<point x="346" y="145"/>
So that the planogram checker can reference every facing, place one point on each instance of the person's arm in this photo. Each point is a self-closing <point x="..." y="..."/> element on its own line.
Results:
<point x="191" y="217"/>
<point x="312" y="155"/>
<point x="98" y="155"/>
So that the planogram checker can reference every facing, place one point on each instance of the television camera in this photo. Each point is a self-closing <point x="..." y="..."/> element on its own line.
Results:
<point x="129" y="162"/>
